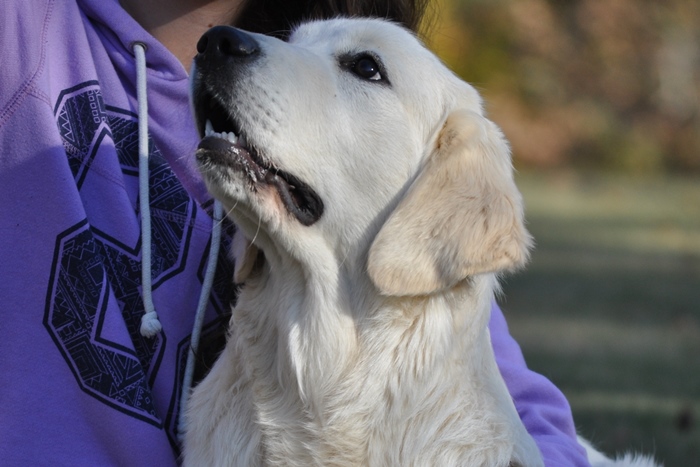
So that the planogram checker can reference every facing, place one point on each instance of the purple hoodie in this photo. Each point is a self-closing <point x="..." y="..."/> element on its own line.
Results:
<point x="80" y="385"/>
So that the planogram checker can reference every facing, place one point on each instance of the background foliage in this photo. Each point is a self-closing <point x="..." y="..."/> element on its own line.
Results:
<point x="611" y="84"/>
<point x="600" y="100"/>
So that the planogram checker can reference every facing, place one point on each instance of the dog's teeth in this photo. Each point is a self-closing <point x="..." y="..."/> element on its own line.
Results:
<point x="227" y="135"/>
<point x="242" y="141"/>
<point x="208" y="128"/>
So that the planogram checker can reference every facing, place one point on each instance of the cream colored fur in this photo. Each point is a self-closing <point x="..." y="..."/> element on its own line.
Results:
<point x="598" y="459"/>
<point x="362" y="340"/>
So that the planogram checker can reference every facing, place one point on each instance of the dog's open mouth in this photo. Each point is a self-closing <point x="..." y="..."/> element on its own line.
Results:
<point x="224" y="143"/>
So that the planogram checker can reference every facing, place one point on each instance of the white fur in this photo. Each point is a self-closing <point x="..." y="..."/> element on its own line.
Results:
<point x="598" y="459"/>
<point x="362" y="339"/>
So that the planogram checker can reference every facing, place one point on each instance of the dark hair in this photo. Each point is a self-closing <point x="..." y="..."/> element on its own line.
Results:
<point x="278" y="17"/>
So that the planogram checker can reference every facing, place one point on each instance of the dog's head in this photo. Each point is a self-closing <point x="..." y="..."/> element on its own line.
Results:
<point x="352" y="143"/>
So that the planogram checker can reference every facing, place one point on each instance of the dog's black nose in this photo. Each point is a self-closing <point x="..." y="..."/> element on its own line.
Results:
<point x="225" y="41"/>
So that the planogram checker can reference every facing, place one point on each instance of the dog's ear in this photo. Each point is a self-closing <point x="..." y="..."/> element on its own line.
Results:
<point x="245" y="255"/>
<point x="462" y="215"/>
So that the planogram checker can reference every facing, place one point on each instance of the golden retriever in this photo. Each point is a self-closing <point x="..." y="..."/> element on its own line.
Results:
<point x="375" y="207"/>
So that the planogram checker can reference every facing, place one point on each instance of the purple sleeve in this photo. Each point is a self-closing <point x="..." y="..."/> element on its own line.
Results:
<point x="542" y="407"/>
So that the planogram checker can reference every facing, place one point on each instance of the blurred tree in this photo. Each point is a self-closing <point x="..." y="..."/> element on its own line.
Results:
<point x="612" y="84"/>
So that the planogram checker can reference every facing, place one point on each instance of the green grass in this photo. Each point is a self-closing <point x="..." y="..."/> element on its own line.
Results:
<point x="609" y="307"/>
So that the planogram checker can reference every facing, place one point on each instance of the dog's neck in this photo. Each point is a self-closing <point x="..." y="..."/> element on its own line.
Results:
<point x="301" y="313"/>
<point x="327" y="337"/>
<point x="323" y="357"/>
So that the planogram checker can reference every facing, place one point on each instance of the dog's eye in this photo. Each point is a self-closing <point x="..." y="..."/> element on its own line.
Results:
<point x="365" y="67"/>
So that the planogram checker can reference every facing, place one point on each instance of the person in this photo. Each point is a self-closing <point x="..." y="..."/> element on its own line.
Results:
<point x="83" y="259"/>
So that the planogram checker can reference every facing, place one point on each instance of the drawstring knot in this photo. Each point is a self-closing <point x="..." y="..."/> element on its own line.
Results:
<point x="150" y="324"/>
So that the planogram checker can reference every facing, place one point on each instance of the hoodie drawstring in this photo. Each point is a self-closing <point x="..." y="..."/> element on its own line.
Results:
<point x="150" y="324"/>
<point x="199" y="316"/>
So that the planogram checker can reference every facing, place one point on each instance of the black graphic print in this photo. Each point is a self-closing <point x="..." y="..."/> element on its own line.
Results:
<point x="93" y="271"/>
<point x="82" y="121"/>
<point x="78" y="298"/>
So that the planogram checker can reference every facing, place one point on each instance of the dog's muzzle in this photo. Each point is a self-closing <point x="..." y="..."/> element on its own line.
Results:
<point x="223" y="52"/>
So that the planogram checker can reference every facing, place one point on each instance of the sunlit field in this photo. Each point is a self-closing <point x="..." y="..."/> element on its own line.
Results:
<point x="609" y="307"/>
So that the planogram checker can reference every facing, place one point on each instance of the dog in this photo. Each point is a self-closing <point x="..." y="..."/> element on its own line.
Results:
<point x="376" y="208"/>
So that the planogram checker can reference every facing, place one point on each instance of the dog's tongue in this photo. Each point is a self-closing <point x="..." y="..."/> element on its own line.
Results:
<point x="216" y="144"/>
<point x="298" y="198"/>
<point x="224" y="151"/>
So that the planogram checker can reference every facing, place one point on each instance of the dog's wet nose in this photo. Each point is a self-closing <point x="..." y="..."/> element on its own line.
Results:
<point x="225" y="41"/>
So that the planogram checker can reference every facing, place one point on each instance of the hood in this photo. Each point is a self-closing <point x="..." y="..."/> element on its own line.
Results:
<point x="170" y="121"/>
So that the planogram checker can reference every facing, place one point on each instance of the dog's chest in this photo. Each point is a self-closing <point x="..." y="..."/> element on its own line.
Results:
<point x="381" y="426"/>
<point x="373" y="415"/>
<point x="399" y="394"/>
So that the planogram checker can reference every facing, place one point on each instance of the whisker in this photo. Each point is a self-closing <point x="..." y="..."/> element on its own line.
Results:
<point x="257" y="231"/>
<point x="226" y="214"/>
<point x="347" y="253"/>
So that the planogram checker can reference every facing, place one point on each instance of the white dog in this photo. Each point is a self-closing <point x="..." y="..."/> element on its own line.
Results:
<point x="375" y="206"/>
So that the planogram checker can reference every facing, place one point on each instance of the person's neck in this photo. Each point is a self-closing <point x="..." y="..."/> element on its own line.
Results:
<point x="178" y="24"/>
